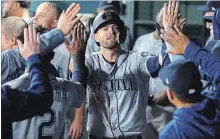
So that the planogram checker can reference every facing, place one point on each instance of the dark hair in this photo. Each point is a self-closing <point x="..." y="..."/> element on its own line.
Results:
<point x="25" y="4"/>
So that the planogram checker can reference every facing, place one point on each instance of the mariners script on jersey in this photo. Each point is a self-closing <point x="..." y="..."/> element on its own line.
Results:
<point x="117" y="95"/>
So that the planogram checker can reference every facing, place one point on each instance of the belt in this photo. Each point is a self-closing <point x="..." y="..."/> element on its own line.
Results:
<point x="91" y="136"/>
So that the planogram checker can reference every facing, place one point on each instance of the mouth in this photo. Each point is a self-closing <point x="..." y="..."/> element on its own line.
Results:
<point x="111" y="38"/>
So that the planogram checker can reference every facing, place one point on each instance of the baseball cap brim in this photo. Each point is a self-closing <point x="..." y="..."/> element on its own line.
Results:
<point x="208" y="18"/>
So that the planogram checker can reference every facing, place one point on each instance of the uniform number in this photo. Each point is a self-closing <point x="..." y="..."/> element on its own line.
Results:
<point x="47" y="124"/>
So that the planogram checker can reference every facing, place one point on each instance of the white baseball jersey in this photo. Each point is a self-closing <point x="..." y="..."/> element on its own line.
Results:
<point x="50" y="125"/>
<point x="116" y="95"/>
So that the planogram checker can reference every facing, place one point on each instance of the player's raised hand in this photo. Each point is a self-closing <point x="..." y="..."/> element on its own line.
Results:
<point x="170" y="14"/>
<point x="31" y="43"/>
<point x="76" y="129"/>
<point x="79" y="39"/>
<point x="176" y="39"/>
<point x="68" y="18"/>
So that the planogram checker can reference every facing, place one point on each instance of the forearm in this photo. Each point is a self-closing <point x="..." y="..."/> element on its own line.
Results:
<point x="172" y="56"/>
<point x="79" y="113"/>
<point x="79" y="71"/>
<point x="207" y="61"/>
<point x="34" y="100"/>
<point x="51" y="40"/>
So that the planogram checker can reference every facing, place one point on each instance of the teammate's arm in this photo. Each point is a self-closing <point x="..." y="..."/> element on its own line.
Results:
<point x="22" y="104"/>
<point x="55" y="37"/>
<point x="79" y="71"/>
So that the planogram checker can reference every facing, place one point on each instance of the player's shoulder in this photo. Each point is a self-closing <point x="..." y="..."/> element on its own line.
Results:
<point x="93" y="54"/>
<point x="140" y="54"/>
<point x="10" y="53"/>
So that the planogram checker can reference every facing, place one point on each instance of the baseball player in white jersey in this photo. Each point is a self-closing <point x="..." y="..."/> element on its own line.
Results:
<point x="117" y="83"/>
<point x="66" y="94"/>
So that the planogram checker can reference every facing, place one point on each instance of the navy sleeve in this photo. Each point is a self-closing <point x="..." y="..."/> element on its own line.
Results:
<point x="153" y="62"/>
<point x="153" y="66"/>
<point x="50" y="40"/>
<point x="79" y="70"/>
<point x="22" y="104"/>
<point x="209" y="63"/>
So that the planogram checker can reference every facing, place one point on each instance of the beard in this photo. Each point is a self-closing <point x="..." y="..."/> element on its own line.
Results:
<point x="112" y="42"/>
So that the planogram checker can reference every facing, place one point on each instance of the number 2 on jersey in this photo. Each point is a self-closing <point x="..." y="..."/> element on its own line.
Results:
<point x="47" y="124"/>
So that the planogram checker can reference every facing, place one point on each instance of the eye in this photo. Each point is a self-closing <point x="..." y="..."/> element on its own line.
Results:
<point x="116" y="29"/>
<point x="105" y="28"/>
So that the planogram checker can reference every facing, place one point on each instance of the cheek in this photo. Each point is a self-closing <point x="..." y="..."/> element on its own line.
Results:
<point x="4" y="42"/>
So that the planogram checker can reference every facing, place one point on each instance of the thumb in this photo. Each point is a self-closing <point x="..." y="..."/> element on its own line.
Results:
<point x="66" y="43"/>
<point x="19" y="43"/>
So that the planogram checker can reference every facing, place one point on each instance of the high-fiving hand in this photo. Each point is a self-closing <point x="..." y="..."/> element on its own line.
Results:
<point x="31" y="43"/>
<point x="176" y="39"/>
<point x="68" y="18"/>
<point x="79" y="39"/>
<point x="170" y="14"/>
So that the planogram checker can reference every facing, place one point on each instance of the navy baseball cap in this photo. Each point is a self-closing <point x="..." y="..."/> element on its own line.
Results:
<point x="115" y="5"/>
<point x="208" y="18"/>
<point x="182" y="77"/>
<point x="106" y="17"/>
<point x="209" y="5"/>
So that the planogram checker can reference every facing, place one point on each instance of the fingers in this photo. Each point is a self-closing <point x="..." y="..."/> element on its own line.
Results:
<point x="165" y="10"/>
<point x="173" y="5"/>
<point x="69" y="9"/>
<point x="78" y="34"/>
<point x="82" y="30"/>
<point x="62" y="13"/>
<point x="178" y="30"/>
<point x="26" y="37"/>
<point x="76" y="19"/>
<point x="77" y="134"/>
<point x="30" y="34"/>
<point x="182" y="22"/>
<point x="74" y="33"/>
<point x="169" y="7"/>
<point x="20" y="45"/>
<point x="66" y="44"/>
<point x="38" y="38"/>
<point x="73" y="134"/>
<point x="75" y="12"/>
<point x="176" y="9"/>
<point x="34" y="34"/>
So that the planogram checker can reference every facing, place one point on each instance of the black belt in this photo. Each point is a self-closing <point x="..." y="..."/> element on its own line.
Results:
<point x="91" y="136"/>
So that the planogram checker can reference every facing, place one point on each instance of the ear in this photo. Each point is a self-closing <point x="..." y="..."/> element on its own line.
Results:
<point x="54" y="24"/>
<point x="13" y="41"/>
<point x="16" y="5"/>
<point x="99" y="11"/>
<point x="170" y="94"/>
<point x="96" y="37"/>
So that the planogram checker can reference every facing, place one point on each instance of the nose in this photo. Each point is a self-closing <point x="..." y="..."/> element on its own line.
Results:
<point x="35" y="18"/>
<point x="111" y="30"/>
